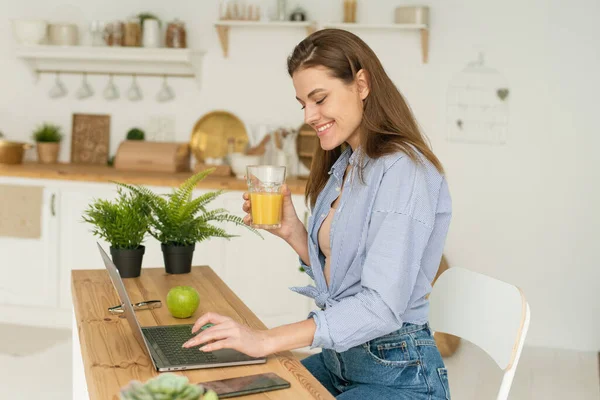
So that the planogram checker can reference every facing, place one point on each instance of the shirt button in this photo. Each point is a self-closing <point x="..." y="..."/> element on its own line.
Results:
<point x="322" y="215"/>
<point x="337" y="189"/>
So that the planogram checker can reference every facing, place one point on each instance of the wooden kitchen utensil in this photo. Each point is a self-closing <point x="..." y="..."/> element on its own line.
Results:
<point x="211" y="132"/>
<point x="139" y="155"/>
<point x="306" y="143"/>
<point x="259" y="149"/>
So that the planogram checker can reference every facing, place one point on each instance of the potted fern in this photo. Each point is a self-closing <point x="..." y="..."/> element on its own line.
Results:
<point x="47" y="138"/>
<point x="124" y="224"/>
<point x="179" y="221"/>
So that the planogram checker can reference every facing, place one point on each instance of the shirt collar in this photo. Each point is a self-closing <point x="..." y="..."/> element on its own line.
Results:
<point x="348" y="157"/>
<point x="339" y="166"/>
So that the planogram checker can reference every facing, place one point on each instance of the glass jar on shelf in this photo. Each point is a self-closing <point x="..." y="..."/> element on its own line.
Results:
<point x="133" y="33"/>
<point x="97" y="33"/>
<point x="113" y="33"/>
<point x="176" y="35"/>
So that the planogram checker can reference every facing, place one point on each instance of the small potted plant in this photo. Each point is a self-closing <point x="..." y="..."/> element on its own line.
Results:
<point x="166" y="386"/>
<point x="135" y="134"/>
<point x="145" y="15"/>
<point x="47" y="138"/>
<point x="123" y="223"/>
<point x="179" y="221"/>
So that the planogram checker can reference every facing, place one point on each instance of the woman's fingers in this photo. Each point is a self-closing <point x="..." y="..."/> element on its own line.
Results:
<point x="209" y="335"/>
<point x="221" y="344"/>
<point x="209" y="317"/>
<point x="246" y="206"/>
<point x="248" y="219"/>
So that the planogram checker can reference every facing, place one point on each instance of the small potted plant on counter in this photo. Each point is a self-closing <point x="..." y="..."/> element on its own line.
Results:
<point x="179" y="221"/>
<point x="123" y="223"/>
<point x="47" y="138"/>
<point x="135" y="134"/>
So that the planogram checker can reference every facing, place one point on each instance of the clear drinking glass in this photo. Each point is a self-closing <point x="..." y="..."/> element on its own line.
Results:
<point x="264" y="185"/>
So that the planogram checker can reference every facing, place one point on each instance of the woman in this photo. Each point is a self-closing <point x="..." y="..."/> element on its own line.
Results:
<point x="380" y="214"/>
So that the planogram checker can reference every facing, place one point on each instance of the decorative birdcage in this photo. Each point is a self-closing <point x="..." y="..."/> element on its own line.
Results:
<point x="477" y="105"/>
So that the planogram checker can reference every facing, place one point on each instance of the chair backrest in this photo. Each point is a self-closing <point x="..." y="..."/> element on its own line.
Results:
<point x="489" y="313"/>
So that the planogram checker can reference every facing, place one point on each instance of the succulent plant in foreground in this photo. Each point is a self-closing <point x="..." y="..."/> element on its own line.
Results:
<point x="166" y="387"/>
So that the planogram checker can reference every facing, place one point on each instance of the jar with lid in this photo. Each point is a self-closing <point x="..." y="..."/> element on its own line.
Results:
<point x="133" y="33"/>
<point x="97" y="33"/>
<point x="176" y="35"/>
<point x="281" y="10"/>
<point x="113" y="33"/>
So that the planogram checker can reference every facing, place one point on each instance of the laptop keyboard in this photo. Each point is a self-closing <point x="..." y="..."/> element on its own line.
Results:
<point x="168" y="340"/>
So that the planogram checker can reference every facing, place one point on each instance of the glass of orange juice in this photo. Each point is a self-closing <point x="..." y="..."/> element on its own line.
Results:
<point x="264" y="185"/>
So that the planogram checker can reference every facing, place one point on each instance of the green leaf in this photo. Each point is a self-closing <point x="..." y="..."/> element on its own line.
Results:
<point x="181" y="220"/>
<point x="123" y="222"/>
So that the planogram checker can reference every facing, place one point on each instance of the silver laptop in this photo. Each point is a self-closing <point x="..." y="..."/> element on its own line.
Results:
<point x="163" y="343"/>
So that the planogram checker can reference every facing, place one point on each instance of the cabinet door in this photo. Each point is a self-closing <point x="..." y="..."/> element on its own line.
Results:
<point x="261" y="271"/>
<point x="28" y="238"/>
<point x="210" y="252"/>
<point x="77" y="244"/>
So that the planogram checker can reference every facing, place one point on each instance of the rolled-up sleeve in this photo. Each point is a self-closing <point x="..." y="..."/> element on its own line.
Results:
<point x="306" y="268"/>
<point x="396" y="242"/>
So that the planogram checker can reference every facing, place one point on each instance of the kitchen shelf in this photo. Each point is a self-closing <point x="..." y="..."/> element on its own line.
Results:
<point x="223" y="27"/>
<point x="113" y="60"/>
<point x="422" y="28"/>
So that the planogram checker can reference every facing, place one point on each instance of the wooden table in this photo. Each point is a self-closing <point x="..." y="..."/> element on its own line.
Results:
<point x="112" y="357"/>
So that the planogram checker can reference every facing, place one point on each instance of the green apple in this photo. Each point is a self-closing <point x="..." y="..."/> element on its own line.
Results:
<point x="182" y="301"/>
<point x="210" y="395"/>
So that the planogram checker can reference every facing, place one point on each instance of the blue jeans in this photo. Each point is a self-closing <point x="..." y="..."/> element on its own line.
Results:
<point x="405" y="364"/>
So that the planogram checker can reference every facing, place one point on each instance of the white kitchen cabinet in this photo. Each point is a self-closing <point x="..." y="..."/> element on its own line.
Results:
<point x="210" y="252"/>
<point x="77" y="245"/>
<point x="29" y="266"/>
<point x="261" y="271"/>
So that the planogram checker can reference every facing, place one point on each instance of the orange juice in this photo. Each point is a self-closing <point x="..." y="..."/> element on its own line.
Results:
<point x="266" y="208"/>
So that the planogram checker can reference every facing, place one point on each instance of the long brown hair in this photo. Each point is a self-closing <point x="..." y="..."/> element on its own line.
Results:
<point x="388" y="124"/>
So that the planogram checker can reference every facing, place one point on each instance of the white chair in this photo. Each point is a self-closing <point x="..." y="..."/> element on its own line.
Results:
<point x="489" y="313"/>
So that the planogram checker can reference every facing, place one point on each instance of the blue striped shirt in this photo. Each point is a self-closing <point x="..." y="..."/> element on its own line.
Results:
<point x="387" y="237"/>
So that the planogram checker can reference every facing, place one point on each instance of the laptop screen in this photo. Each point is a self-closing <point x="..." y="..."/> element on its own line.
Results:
<point x="115" y="277"/>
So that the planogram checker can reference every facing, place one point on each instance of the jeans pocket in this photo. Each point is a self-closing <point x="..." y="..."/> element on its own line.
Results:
<point x="393" y="351"/>
<point x="443" y="374"/>
<point x="391" y="354"/>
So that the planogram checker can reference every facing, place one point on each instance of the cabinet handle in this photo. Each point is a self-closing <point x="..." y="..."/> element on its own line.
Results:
<point x="53" y="204"/>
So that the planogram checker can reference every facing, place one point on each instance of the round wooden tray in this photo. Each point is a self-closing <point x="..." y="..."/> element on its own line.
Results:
<point x="211" y="132"/>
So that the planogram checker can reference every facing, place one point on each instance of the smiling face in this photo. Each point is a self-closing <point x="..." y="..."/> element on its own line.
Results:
<point x="333" y="108"/>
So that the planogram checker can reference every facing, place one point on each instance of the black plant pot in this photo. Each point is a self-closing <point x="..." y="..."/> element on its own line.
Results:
<point x="178" y="259"/>
<point x="128" y="262"/>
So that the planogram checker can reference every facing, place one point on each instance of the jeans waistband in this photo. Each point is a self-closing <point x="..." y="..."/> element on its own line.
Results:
<point x="407" y="327"/>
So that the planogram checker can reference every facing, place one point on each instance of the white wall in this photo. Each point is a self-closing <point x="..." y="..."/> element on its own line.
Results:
<point x="525" y="212"/>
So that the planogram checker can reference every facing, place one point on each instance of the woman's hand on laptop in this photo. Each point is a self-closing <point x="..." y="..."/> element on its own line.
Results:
<point x="228" y="334"/>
